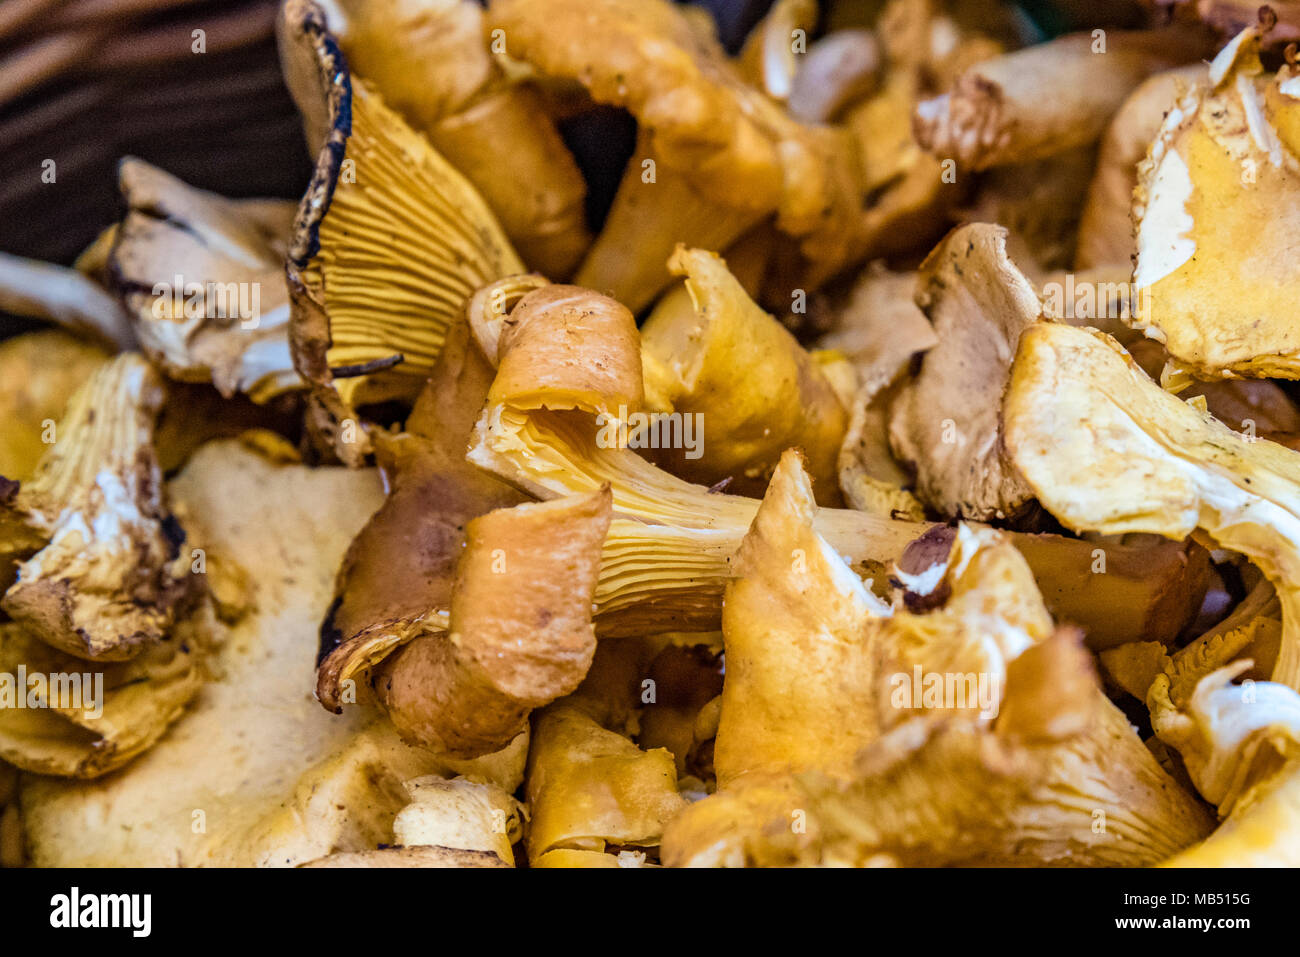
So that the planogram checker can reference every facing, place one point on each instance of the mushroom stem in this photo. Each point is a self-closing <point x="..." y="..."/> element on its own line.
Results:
<point x="840" y="68"/>
<point x="42" y="290"/>
<point x="1106" y="226"/>
<point x="546" y="221"/>
<point x="654" y="210"/>
<point x="1045" y="99"/>
<point x="1145" y="592"/>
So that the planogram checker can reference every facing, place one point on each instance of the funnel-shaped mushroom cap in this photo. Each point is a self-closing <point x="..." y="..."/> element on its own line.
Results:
<point x="520" y="632"/>
<point x="946" y="421"/>
<point x="721" y="362"/>
<point x="1031" y="787"/>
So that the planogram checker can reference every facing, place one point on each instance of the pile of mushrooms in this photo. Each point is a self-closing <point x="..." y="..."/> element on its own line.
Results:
<point x="901" y="471"/>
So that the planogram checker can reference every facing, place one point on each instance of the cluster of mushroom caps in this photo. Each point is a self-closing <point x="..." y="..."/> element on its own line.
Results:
<point x="1082" y="515"/>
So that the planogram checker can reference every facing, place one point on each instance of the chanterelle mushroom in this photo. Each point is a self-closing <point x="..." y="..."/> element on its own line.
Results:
<point x="458" y="812"/>
<point x="796" y="627"/>
<point x="1047" y="98"/>
<point x="203" y="280"/>
<point x="1240" y="743"/>
<point x="908" y="192"/>
<point x="117" y="711"/>
<point x="590" y="787"/>
<point x="1140" y="459"/>
<point x="769" y="60"/>
<point x="722" y="156"/>
<point x="389" y="243"/>
<point x="928" y="742"/>
<point x="433" y="494"/>
<point x="671" y="539"/>
<point x="1106" y="449"/>
<point x="1028" y="787"/>
<point x="422" y="683"/>
<point x="879" y="328"/>
<point x="719" y="362"/>
<point x="1231" y="737"/>
<point x="946" y="421"/>
<point x="101" y="570"/>
<point x="802" y="636"/>
<point x="430" y="60"/>
<point x="838" y="69"/>
<point x="520" y="632"/>
<point x="277" y="780"/>
<point x="1220" y="190"/>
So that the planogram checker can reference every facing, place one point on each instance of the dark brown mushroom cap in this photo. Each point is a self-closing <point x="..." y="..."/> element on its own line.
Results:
<point x="381" y="603"/>
<point x="520" y="628"/>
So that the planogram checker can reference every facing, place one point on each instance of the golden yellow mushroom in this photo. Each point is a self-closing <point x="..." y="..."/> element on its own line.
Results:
<point x="519" y="628"/>
<point x="1221" y="177"/>
<point x="963" y="732"/>
<point x="1141" y="459"/>
<point x="389" y="243"/>
<point x="1106" y="449"/>
<point x="715" y="156"/>
<point x="75" y="719"/>
<point x="796" y="628"/>
<point x="432" y="494"/>
<point x="670" y="539"/>
<point x="714" y="357"/>
<point x="1105" y="228"/>
<point x="431" y="60"/>
<point x="1059" y="778"/>
<point x="101" y="572"/>
<point x="592" y="789"/>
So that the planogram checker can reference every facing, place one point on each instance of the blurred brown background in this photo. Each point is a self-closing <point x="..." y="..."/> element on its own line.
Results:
<point x="84" y="82"/>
